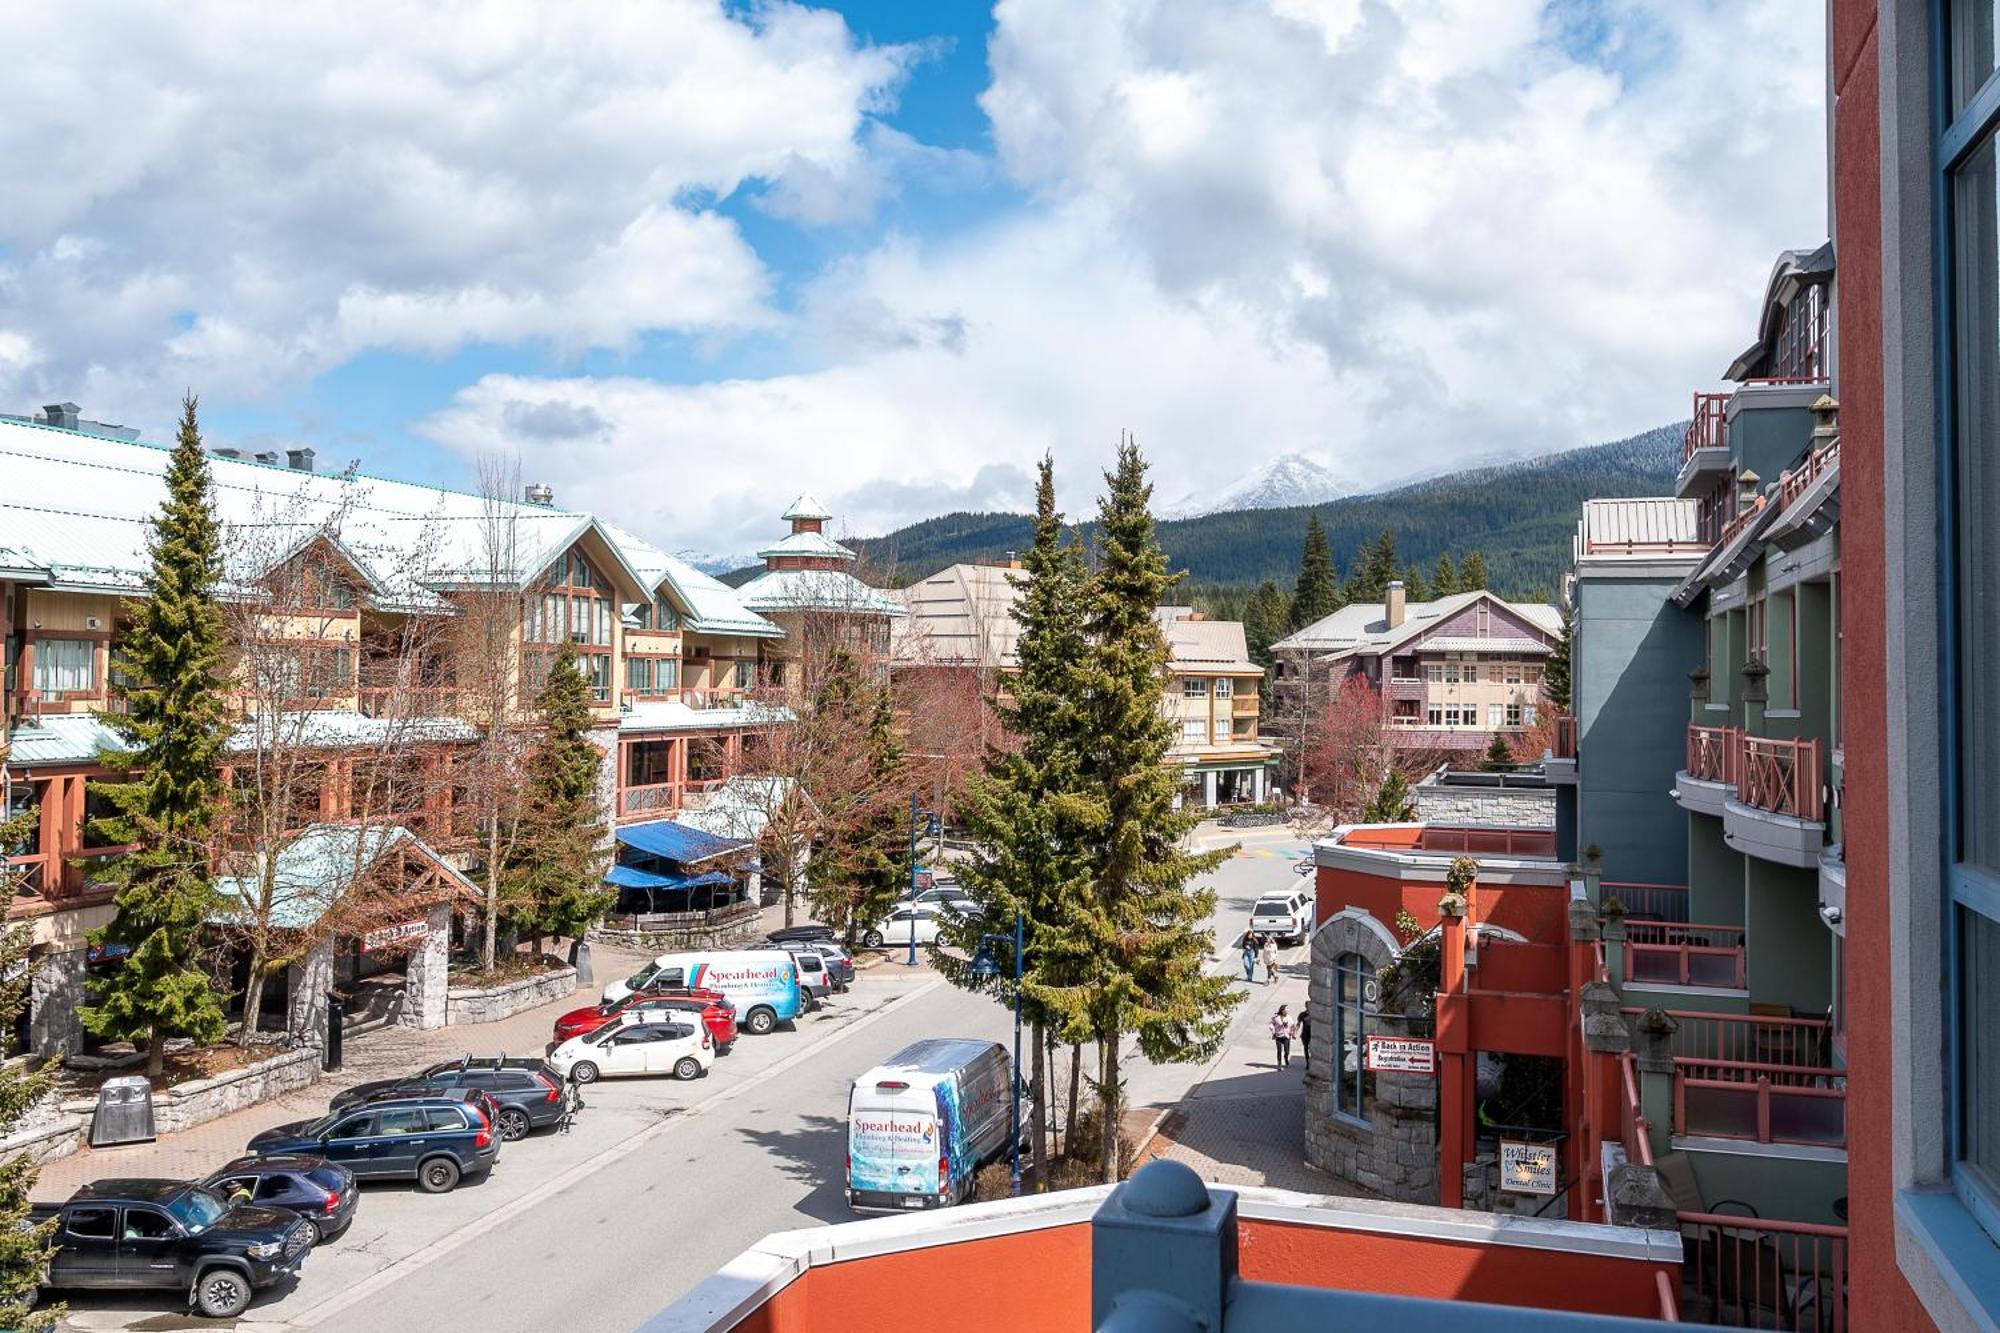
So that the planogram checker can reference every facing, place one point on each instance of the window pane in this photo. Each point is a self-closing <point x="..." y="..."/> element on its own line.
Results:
<point x="1972" y="25"/>
<point x="1977" y="291"/>
<point x="1979" y="1007"/>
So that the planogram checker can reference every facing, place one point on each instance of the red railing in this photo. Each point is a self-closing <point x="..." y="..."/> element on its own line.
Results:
<point x="1650" y="902"/>
<point x="1678" y="954"/>
<point x="1765" y="1103"/>
<point x="1797" y="1043"/>
<point x="1781" y="776"/>
<point x="652" y="798"/>
<point x="1792" y="484"/>
<point x="1565" y="746"/>
<point x="1713" y="752"/>
<point x="1746" y="1272"/>
<point x="1501" y="841"/>
<point x="1709" y="427"/>
<point x="1736" y="525"/>
<point x="1638" y="1131"/>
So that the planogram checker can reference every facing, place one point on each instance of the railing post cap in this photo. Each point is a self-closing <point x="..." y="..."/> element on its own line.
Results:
<point x="1166" y="1188"/>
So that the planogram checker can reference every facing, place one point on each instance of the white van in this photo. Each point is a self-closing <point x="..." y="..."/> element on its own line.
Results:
<point x="922" y="1123"/>
<point x="763" y="984"/>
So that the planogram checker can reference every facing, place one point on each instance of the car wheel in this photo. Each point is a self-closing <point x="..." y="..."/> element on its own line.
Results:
<point x="687" y="1067"/>
<point x="439" y="1175"/>
<point x="313" y="1235"/>
<point x="513" y="1124"/>
<point x="583" y="1072"/>
<point x="221" y="1292"/>
<point x="873" y="939"/>
<point x="761" y="1021"/>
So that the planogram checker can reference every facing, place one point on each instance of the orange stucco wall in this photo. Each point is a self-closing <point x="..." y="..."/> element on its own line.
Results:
<point x="1537" y="912"/>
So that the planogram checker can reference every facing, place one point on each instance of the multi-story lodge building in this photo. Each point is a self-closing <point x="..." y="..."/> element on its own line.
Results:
<point x="1450" y="673"/>
<point x="377" y="628"/>
<point x="961" y="627"/>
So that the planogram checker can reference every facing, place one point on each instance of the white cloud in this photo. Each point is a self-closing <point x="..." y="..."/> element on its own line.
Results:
<point x="1394" y="236"/>
<point x="240" y="196"/>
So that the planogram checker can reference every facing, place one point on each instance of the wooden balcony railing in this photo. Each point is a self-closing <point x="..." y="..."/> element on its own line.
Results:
<point x="408" y="701"/>
<point x="1735" y="526"/>
<point x="1708" y="428"/>
<point x="653" y="798"/>
<point x="1794" y="483"/>
<point x="1565" y="745"/>
<point x="1637" y="1131"/>
<point x="1782" y="777"/>
<point x="1745" y="1272"/>
<point x="1678" y="954"/>
<point x="1793" y="1043"/>
<point x="1766" y="1103"/>
<point x="1714" y="753"/>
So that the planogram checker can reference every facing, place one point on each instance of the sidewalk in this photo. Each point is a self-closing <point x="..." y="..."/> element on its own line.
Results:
<point x="386" y="1053"/>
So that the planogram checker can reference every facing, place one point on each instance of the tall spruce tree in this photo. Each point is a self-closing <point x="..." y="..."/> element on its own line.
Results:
<point x="1030" y="812"/>
<point x="1266" y="617"/>
<point x="1316" y="594"/>
<point x="555" y="877"/>
<point x="24" y="1249"/>
<point x="1555" y="677"/>
<point x="1473" y="577"/>
<point x="1444" y="579"/>
<point x="1373" y="569"/>
<point x="1415" y="587"/>
<point x="1140" y="939"/>
<point x="170" y="662"/>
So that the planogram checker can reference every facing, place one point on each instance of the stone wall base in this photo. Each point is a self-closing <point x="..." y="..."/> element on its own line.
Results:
<point x="196" y="1103"/>
<point x="490" y="1005"/>
<point x="730" y="936"/>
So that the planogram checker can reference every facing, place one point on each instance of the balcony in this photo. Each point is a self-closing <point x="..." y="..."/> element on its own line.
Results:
<point x="1649" y="902"/>
<point x="1705" y="447"/>
<point x="1714" y="758"/>
<point x="1779" y="809"/>
<point x="1671" y="953"/>
<point x="393" y="701"/>
<point x="1760" y="1102"/>
<point x="1741" y="1272"/>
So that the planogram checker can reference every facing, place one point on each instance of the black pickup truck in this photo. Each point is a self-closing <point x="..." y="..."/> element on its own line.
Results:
<point x="175" y="1235"/>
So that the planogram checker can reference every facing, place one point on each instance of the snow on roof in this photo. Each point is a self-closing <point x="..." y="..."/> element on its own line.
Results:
<point x="315" y="869"/>
<point x="806" y="543"/>
<point x="1364" y="626"/>
<point x="78" y="738"/>
<point x="817" y="590"/>
<point x="806" y="506"/>
<point x="711" y="606"/>
<point x="672" y="715"/>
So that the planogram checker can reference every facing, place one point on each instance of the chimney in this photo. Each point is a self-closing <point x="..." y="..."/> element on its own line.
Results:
<point x="1013" y="560"/>
<point x="61" y="414"/>
<point x="300" y="460"/>
<point x="268" y="457"/>
<point x="1394" y="605"/>
<point x="541" y="493"/>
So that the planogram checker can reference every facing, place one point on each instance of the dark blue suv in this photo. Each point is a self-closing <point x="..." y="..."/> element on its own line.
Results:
<point x="319" y="1191"/>
<point x="435" y="1141"/>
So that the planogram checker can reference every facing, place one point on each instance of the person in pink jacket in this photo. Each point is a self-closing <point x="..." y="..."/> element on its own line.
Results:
<point x="1281" y="1034"/>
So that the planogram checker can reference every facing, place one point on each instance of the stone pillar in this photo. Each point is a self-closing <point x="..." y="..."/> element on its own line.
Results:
<point x="1653" y="1049"/>
<point x="306" y="985"/>
<point x="425" y="983"/>
<point x="57" y="993"/>
<point x="1613" y="934"/>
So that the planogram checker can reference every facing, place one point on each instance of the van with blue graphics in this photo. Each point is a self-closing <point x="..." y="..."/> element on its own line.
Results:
<point x="762" y="984"/>
<point x="922" y="1123"/>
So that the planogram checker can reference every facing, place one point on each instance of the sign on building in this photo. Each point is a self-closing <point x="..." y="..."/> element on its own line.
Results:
<point x="389" y="937"/>
<point x="1527" y="1168"/>
<point x="1401" y="1055"/>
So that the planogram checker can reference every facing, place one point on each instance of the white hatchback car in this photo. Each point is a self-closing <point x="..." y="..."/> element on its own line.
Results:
<point x="922" y="919"/>
<point x="648" y="1042"/>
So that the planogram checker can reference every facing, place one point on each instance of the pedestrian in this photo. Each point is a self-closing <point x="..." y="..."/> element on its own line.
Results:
<point x="1305" y="1031"/>
<point x="1250" y="956"/>
<point x="1281" y="1034"/>
<point x="1270" y="959"/>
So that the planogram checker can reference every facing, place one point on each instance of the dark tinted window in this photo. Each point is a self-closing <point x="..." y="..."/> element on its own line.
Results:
<point x="326" y="1178"/>
<point x="354" y="1127"/>
<point x="410" y="1120"/>
<point x="276" y="1187"/>
<point x="517" y="1080"/>
<point x="146" y="1224"/>
<point x="93" y="1223"/>
<point x="443" y="1118"/>
<point x="477" y="1078"/>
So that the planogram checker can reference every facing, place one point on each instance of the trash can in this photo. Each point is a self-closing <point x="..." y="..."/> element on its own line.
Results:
<point x="124" y="1112"/>
<point x="336" y="1028"/>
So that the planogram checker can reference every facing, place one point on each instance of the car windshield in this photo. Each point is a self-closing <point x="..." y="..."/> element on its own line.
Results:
<point x="196" y="1209"/>
<point x="638" y="980"/>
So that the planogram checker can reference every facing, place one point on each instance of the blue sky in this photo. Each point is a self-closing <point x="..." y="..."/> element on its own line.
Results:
<point x="682" y="258"/>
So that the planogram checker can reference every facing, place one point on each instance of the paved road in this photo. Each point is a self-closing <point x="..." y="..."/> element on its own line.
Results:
<point x="661" y="1182"/>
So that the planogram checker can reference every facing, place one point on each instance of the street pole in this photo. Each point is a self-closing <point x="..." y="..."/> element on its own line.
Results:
<point x="913" y="879"/>
<point x="1017" y="1055"/>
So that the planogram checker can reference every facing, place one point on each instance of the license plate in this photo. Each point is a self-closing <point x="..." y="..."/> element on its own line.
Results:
<point x="912" y="1201"/>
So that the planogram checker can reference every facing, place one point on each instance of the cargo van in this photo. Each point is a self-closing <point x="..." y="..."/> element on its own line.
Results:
<point x="922" y="1123"/>
<point x="763" y="984"/>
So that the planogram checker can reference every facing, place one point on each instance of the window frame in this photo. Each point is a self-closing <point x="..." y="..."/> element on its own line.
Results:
<point x="1361" y="1093"/>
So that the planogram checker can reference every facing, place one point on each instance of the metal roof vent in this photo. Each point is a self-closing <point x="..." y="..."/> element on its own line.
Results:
<point x="300" y="460"/>
<point x="268" y="457"/>
<point x="541" y="493"/>
<point x="234" y="455"/>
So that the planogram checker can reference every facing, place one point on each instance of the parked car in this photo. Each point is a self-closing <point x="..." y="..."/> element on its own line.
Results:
<point x="839" y="962"/>
<point x="435" y="1140"/>
<point x="922" y="1123"/>
<point x="786" y="936"/>
<point x="638" y="1043"/>
<point x="717" y="1014"/>
<point x="527" y="1094"/>
<point x="319" y="1191"/>
<point x="763" y="984"/>
<point x="951" y="893"/>
<point x="1287" y="913"/>
<point x="814" y="980"/>
<point x="174" y="1235"/>
<point x="922" y="919"/>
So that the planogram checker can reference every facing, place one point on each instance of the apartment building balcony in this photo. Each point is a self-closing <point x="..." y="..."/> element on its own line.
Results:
<point x="392" y="701"/>
<point x="1778" y="811"/>
<point x="1673" y="953"/>
<point x="1704" y="448"/>
<point x="1708" y="782"/>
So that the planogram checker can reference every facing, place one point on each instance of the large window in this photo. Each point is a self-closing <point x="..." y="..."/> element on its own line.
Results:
<point x="1353" y="1085"/>
<point x="652" y="675"/>
<point x="1194" y="687"/>
<point x="65" y="666"/>
<point x="1971" y="607"/>
<point x="1195" y="730"/>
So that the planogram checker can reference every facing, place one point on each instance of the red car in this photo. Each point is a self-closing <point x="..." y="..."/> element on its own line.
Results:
<point x="717" y="1014"/>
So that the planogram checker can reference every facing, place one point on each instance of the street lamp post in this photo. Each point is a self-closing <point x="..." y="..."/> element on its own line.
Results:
<point x="917" y="817"/>
<point x="985" y="969"/>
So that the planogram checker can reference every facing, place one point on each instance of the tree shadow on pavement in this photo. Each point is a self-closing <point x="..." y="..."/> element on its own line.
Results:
<point x="814" y="1153"/>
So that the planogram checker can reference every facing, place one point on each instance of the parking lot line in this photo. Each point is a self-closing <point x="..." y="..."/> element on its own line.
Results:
<point x="470" y="1232"/>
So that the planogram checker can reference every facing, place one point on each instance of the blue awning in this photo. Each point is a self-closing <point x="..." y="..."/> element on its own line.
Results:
<point x="631" y="877"/>
<point x="677" y="842"/>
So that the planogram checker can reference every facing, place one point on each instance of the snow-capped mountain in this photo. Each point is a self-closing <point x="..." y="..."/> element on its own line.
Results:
<point x="1289" y="479"/>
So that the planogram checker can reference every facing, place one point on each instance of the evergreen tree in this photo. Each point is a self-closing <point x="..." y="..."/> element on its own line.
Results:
<point x="1474" y="576"/>
<point x="1373" y="569"/>
<point x="1499" y="756"/>
<point x="1266" y="617"/>
<point x="23" y="1249"/>
<point x="555" y="877"/>
<point x="1393" y="803"/>
<point x="1140" y="939"/>
<point x="1030" y="812"/>
<point x="1316" y="594"/>
<point x="1444" y="579"/>
<point x="173" y="731"/>
<point x="1414" y="587"/>
<point x="1555" y="678"/>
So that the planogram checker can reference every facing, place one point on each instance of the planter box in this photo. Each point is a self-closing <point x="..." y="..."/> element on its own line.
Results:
<point x="467" y="1005"/>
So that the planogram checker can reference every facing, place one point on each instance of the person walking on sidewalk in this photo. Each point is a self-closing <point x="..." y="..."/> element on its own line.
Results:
<point x="1304" y="1028"/>
<point x="1281" y="1035"/>
<point x="1270" y="959"/>
<point x="1250" y="956"/>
